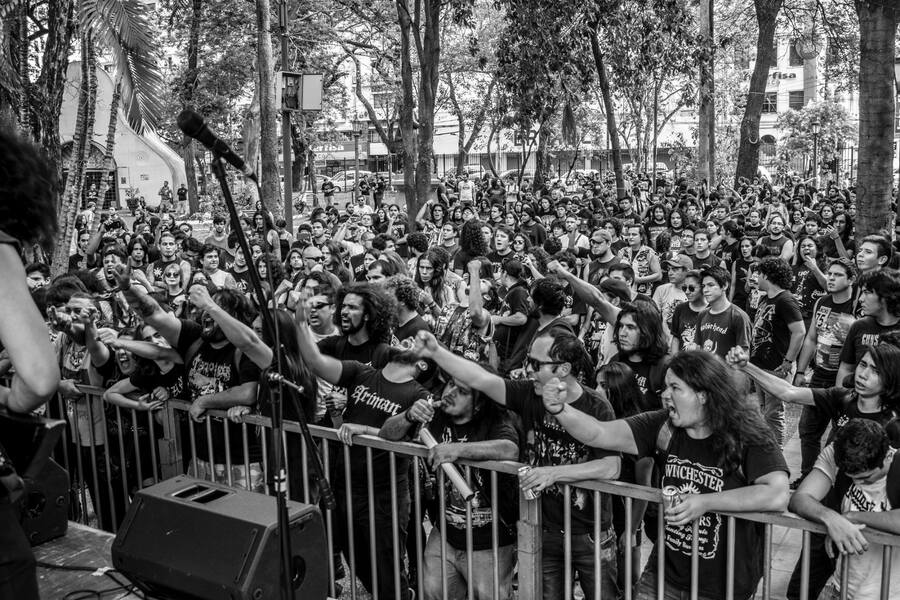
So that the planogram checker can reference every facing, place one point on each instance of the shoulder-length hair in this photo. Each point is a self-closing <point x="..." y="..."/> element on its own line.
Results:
<point x="734" y="422"/>
<point x="379" y="306"/>
<point x="651" y="337"/>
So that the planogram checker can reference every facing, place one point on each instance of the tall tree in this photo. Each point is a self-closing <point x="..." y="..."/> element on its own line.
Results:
<point x="748" y="152"/>
<point x="268" y="110"/>
<point x="877" y="38"/>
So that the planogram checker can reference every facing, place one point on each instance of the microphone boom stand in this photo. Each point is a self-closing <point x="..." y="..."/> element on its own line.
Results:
<point x="287" y="571"/>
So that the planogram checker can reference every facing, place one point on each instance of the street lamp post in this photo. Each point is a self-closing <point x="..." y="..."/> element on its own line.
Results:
<point x="815" y="131"/>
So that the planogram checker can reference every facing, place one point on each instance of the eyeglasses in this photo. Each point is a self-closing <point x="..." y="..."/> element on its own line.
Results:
<point x="536" y="364"/>
<point x="319" y="305"/>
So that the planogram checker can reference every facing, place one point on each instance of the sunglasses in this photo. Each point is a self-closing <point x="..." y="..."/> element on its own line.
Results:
<point x="172" y="275"/>
<point x="319" y="305"/>
<point x="519" y="242"/>
<point x="598" y="242"/>
<point x="690" y="288"/>
<point x="536" y="364"/>
<point x="315" y="258"/>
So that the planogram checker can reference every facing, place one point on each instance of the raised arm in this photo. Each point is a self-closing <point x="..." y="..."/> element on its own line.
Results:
<point x="476" y="302"/>
<point x="458" y="367"/>
<point x="610" y="435"/>
<point x="739" y="359"/>
<point x="326" y="367"/>
<point x="586" y="292"/>
<point x="166" y="323"/>
<point x="237" y="333"/>
<point x="27" y="342"/>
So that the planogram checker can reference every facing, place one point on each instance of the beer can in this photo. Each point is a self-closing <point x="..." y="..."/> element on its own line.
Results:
<point x="530" y="493"/>
<point x="671" y="496"/>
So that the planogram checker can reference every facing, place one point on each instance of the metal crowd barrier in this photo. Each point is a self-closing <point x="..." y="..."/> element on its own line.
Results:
<point x="97" y="474"/>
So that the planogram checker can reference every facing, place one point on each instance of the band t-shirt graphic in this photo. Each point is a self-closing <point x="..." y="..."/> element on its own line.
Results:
<point x="371" y="400"/>
<point x="719" y="333"/>
<point x="499" y="427"/>
<point x="553" y="446"/>
<point x="211" y="371"/>
<point x="832" y="321"/>
<point x="693" y="467"/>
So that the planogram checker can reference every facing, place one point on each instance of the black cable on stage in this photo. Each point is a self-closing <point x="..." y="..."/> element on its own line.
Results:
<point x="89" y="593"/>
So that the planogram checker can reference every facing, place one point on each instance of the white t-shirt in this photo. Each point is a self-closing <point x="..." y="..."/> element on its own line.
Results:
<point x="667" y="297"/>
<point x="864" y="575"/>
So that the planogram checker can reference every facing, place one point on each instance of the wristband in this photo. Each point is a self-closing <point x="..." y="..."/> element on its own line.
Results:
<point x="559" y="411"/>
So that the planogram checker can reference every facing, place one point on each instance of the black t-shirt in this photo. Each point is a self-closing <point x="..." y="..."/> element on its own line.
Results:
<point x="684" y="325"/>
<point x="806" y="289"/>
<point x="553" y="446"/>
<point x="832" y="321"/>
<point x="863" y="333"/>
<point x="371" y="400"/>
<point x="492" y="423"/>
<point x="692" y="466"/>
<point x="210" y="371"/>
<point x="650" y="379"/>
<point x="517" y="300"/>
<point x="369" y="353"/>
<point x="840" y="405"/>
<point x="242" y="280"/>
<point x="771" y="336"/>
<point x="719" y="333"/>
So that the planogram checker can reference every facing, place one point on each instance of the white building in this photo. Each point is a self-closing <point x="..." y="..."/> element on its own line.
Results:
<point x="142" y="161"/>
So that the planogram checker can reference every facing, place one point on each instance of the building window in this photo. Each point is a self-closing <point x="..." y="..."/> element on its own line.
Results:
<point x="795" y="100"/>
<point x="795" y="60"/>
<point x="770" y="103"/>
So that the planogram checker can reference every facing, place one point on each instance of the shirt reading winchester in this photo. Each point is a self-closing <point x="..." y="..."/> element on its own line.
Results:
<point x="693" y="467"/>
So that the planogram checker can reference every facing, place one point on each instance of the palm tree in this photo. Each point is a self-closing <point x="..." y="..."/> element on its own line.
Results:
<point x="123" y="29"/>
<point x="119" y="27"/>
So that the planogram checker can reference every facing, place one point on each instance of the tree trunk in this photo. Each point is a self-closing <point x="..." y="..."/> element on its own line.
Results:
<point x="268" y="112"/>
<point x="706" y="108"/>
<point x="428" y="86"/>
<point x="407" y="106"/>
<point x="110" y="138"/>
<point x="71" y="202"/>
<point x="748" y="151"/>
<point x="877" y="30"/>
<point x="611" y="128"/>
<point x="188" y="151"/>
<point x="540" y="159"/>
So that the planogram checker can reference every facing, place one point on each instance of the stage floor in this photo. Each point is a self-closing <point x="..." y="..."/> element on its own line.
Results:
<point x="80" y="547"/>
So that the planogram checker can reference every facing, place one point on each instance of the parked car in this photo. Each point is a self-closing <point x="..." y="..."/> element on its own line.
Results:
<point x="512" y="175"/>
<point x="346" y="180"/>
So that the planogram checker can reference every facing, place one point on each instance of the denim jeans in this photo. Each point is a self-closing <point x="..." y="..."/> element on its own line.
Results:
<point x="458" y="576"/>
<point x="646" y="589"/>
<point x="383" y="539"/>
<point x="553" y="560"/>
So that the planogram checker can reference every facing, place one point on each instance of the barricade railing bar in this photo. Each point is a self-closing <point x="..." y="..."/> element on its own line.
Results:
<point x="371" y="525"/>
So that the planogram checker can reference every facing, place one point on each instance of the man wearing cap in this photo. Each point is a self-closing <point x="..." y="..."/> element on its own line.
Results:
<point x="669" y="295"/>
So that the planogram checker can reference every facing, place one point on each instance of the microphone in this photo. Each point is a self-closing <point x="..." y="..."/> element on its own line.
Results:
<point x="193" y="126"/>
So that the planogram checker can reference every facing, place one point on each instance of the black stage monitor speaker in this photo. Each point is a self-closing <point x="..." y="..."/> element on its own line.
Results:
<point x="191" y="539"/>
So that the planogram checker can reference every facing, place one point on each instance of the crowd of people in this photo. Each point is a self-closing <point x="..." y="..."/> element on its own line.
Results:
<point x="652" y="338"/>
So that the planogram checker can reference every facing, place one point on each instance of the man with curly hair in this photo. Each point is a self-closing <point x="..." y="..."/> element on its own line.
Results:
<point x="28" y="189"/>
<point x="373" y="395"/>
<point x="778" y="332"/>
